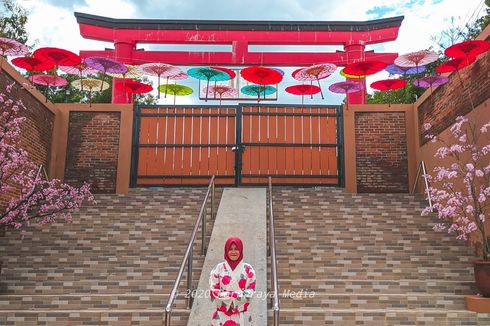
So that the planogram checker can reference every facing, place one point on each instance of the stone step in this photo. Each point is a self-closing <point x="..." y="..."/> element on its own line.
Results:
<point x="89" y="301"/>
<point x="409" y="287"/>
<point x="379" y="317"/>
<point x="311" y="299"/>
<point x="95" y="317"/>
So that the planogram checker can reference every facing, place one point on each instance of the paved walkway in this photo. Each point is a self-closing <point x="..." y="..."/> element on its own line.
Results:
<point x="242" y="213"/>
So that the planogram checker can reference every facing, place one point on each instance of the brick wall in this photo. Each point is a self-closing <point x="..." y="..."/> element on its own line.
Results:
<point x="93" y="147"/>
<point x="37" y="130"/>
<point x="381" y="152"/>
<point x="452" y="100"/>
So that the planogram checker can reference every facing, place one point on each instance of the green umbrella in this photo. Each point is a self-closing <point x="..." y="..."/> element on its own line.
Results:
<point x="175" y="90"/>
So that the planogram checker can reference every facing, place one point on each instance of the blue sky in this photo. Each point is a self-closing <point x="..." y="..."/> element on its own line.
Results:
<point x="52" y="23"/>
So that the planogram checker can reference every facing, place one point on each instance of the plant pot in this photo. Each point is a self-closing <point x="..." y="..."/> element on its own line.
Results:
<point x="482" y="276"/>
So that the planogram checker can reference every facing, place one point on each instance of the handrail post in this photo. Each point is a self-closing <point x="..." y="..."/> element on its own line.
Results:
<point x="189" y="280"/>
<point x="272" y="244"/>
<point x="212" y="201"/>
<point x="203" y="234"/>
<point x="424" y="171"/>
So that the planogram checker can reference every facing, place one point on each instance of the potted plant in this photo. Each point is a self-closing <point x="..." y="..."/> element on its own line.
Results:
<point x="460" y="190"/>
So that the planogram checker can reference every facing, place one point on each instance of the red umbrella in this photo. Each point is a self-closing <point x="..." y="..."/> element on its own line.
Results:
<point x="60" y="57"/>
<point x="346" y="88"/>
<point x="388" y="84"/>
<point x="303" y="90"/>
<point x="467" y="49"/>
<point x="228" y="71"/>
<point x="134" y="87"/>
<point x="295" y="73"/>
<point x="48" y="81"/>
<point x="33" y="64"/>
<point x="261" y="75"/>
<point x="364" y="68"/>
<point x="455" y="65"/>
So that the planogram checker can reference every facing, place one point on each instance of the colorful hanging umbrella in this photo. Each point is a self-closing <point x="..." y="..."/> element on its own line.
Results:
<point x="416" y="59"/>
<point x="134" y="87"/>
<point x="60" y="57"/>
<point x="230" y="72"/>
<point x="316" y="72"/>
<point x="159" y="69"/>
<point x="399" y="70"/>
<point x="364" y="68"/>
<point x="343" y="74"/>
<point x="430" y="81"/>
<point x="48" y="81"/>
<point x="261" y="75"/>
<point x="279" y="71"/>
<point x="388" y="85"/>
<point x="303" y="90"/>
<point x="455" y="65"/>
<point x="90" y="84"/>
<point x="33" y="64"/>
<point x="80" y="70"/>
<point x="9" y="47"/>
<point x="133" y="72"/>
<point x="208" y="74"/>
<point x="175" y="90"/>
<point x="295" y="73"/>
<point x="221" y="90"/>
<point x="346" y="88"/>
<point x="106" y="65"/>
<point x="467" y="49"/>
<point x="258" y="90"/>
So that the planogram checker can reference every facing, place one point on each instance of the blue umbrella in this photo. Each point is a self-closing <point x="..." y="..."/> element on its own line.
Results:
<point x="258" y="90"/>
<point x="206" y="73"/>
<point x="398" y="70"/>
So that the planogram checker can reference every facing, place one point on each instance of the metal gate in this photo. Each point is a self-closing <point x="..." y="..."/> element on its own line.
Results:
<point x="240" y="145"/>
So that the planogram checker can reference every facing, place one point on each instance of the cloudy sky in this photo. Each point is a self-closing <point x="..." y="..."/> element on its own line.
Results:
<point x="52" y="22"/>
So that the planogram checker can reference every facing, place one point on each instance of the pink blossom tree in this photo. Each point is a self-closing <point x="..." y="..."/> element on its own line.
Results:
<point x="460" y="192"/>
<point x="25" y="195"/>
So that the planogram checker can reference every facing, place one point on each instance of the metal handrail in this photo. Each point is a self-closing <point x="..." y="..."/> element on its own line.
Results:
<point x="189" y="254"/>
<point x="272" y="248"/>
<point x="422" y="169"/>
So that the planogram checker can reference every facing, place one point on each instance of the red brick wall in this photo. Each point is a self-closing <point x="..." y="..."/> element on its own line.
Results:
<point x="37" y="130"/>
<point x="381" y="152"/>
<point x="451" y="100"/>
<point x="93" y="147"/>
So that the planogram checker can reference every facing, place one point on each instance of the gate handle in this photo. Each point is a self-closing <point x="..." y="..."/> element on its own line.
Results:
<point x="238" y="148"/>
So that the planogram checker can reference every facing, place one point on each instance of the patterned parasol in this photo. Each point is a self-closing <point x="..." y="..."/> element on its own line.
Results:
<point x="430" y="81"/>
<point x="133" y="72"/>
<point x="48" y="81"/>
<point x="10" y="47"/>
<point x="389" y="84"/>
<point x="80" y="70"/>
<point x="221" y="90"/>
<point x="346" y="88"/>
<point x="90" y="84"/>
<point x="398" y="70"/>
<point x="60" y="57"/>
<point x="455" y="65"/>
<point x="261" y="75"/>
<point x="258" y="90"/>
<point x="175" y="90"/>
<point x="416" y="59"/>
<point x="159" y="69"/>
<point x="316" y="72"/>
<point x="230" y="72"/>
<point x="208" y="74"/>
<point x="106" y="65"/>
<point x="303" y="90"/>
<point x="33" y="64"/>
<point x="343" y="74"/>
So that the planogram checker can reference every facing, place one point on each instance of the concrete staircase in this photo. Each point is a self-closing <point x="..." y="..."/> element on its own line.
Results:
<point x="114" y="265"/>
<point x="367" y="259"/>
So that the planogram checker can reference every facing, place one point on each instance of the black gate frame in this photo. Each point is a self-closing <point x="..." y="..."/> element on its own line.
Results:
<point x="240" y="146"/>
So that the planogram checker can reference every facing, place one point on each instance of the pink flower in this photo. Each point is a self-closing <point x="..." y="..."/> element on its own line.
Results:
<point x="226" y="280"/>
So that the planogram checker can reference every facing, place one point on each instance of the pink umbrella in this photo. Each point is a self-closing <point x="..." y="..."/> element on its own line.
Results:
<point x="315" y="72"/>
<point x="81" y="69"/>
<point x="48" y="81"/>
<point x="416" y="59"/>
<point x="346" y="88"/>
<point x="159" y="69"/>
<point x="9" y="47"/>
<point x="222" y="90"/>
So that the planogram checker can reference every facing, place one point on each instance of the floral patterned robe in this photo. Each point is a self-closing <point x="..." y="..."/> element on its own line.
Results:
<point x="231" y="292"/>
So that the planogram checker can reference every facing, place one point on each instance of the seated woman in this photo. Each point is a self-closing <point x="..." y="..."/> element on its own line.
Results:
<point x="232" y="285"/>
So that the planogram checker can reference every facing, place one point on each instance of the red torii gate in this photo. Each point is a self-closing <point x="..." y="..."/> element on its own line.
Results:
<point x="127" y="33"/>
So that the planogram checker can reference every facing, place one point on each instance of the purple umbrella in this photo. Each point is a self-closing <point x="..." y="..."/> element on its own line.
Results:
<point x="106" y="65"/>
<point x="399" y="70"/>
<point x="430" y="81"/>
<point x="346" y="88"/>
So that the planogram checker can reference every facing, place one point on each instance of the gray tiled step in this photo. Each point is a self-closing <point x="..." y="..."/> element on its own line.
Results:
<point x="380" y="317"/>
<point x="97" y="317"/>
<point x="379" y="286"/>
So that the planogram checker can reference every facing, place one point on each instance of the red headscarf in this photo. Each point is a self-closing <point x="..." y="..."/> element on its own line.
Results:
<point x="239" y="244"/>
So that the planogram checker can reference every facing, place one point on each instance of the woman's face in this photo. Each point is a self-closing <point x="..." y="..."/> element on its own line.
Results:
<point x="233" y="252"/>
